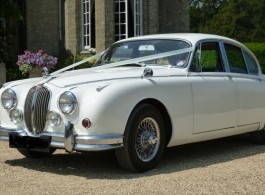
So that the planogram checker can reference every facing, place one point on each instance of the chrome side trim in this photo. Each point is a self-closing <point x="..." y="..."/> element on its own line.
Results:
<point x="71" y="142"/>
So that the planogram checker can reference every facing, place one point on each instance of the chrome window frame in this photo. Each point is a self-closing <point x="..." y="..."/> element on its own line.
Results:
<point x="222" y="54"/>
<point x="245" y="53"/>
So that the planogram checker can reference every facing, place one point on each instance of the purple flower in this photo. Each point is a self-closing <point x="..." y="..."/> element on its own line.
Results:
<point x="35" y="60"/>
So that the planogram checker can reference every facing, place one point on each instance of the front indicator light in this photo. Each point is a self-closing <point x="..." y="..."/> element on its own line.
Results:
<point x="16" y="116"/>
<point x="86" y="123"/>
<point x="53" y="118"/>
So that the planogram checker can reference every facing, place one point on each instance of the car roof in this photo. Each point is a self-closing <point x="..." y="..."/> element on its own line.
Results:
<point x="193" y="38"/>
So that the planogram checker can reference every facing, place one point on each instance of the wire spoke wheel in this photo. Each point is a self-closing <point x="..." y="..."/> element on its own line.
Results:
<point x="147" y="139"/>
<point x="144" y="140"/>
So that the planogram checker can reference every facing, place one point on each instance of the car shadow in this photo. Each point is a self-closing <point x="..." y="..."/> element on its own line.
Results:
<point x="104" y="165"/>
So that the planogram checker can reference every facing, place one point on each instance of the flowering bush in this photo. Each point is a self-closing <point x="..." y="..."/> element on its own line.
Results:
<point x="30" y="61"/>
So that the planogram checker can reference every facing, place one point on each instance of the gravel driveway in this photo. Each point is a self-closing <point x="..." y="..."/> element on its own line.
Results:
<point x="231" y="165"/>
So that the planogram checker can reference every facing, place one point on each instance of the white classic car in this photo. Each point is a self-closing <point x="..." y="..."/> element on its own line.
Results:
<point x="142" y="95"/>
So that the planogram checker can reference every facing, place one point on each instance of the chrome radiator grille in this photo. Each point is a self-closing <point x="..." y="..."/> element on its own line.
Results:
<point x="36" y="109"/>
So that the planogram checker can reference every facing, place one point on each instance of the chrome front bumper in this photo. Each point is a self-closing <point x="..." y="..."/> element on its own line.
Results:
<point x="73" y="142"/>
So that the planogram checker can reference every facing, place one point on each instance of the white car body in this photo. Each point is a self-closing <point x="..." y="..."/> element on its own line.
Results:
<point x="199" y="105"/>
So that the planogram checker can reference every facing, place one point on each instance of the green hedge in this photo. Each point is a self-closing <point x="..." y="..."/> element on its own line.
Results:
<point x="259" y="50"/>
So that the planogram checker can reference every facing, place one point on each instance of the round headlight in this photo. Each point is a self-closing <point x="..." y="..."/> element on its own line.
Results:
<point x="8" y="99"/>
<point x="16" y="116"/>
<point x="53" y="118"/>
<point x="67" y="102"/>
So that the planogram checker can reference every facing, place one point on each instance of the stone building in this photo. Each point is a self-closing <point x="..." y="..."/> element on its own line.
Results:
<point x="83" y="26"/>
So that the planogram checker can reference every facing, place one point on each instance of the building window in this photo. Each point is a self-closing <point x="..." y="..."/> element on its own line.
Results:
<point x="128" y="18"/>
<point x="138" y="18"/>
<point x="121" y="23"/>
<point x="88" y="27"/>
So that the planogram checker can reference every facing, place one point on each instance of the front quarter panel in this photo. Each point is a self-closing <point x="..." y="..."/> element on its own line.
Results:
<point x="110" y="108"/>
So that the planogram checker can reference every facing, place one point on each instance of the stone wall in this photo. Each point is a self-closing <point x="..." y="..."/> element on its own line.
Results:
<point x="150" y="17"/>
<point x="73" y="28"/>
<point x="105" y="24"/>
<point x="167" y="16"/>
<point x="173" y="16"/>
<point x="43" y="26"/>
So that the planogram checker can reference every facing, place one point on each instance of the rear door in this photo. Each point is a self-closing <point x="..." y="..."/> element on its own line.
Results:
<point x="244" y="73"/>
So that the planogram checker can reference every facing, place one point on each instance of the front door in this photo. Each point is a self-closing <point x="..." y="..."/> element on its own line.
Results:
<point x="214" y="94"/>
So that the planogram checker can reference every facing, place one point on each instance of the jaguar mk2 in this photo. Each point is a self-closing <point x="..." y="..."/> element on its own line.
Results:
<point x="142" y="95"/>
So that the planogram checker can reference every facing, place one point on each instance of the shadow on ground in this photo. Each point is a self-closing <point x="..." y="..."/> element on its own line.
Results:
<point x="104" y="165"/>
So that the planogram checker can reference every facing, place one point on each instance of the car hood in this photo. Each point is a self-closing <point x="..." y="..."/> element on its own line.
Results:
<point x="77" y="77"/>
<point x="86" y="76"/>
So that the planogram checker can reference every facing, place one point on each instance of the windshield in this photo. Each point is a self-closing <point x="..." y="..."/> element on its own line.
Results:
<point x="144" y="48"/>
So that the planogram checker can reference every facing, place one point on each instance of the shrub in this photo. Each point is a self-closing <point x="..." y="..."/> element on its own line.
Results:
<point x="66" y="60"/>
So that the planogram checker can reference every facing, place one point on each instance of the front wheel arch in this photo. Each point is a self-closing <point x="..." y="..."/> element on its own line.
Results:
<point x="161" y="107"/>
<point x="144" y="140"/>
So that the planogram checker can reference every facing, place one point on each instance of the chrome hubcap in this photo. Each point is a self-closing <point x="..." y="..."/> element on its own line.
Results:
<point x="147" y="139"/>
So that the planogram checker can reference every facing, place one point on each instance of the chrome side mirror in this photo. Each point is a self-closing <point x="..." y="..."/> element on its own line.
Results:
<point x="148" y="72"/>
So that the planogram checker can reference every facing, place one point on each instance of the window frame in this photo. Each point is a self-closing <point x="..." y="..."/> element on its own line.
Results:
<point x="227" y="61"/>
<point x="86" y="21"/>
<point x="245" y="54"/>
<point x="220" y="52"/>
<point x="119" y="23"/>
<point x="138" y="17"/>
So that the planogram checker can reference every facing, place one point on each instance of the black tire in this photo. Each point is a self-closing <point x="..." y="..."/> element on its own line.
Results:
<point x="258" y="136"/>
<point x="153" y="140"/>
<point x="35" y="154"/>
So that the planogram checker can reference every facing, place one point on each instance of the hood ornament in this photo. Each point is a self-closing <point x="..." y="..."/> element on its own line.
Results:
<point x="148" y="72"/>
<point x="45" y="72"/>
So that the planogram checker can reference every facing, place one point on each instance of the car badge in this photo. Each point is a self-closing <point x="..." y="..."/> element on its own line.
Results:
<point x="45" y="72"/>
<point x="39" y="86"/>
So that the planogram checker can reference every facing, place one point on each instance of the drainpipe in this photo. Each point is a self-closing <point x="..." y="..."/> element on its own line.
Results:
<point x="60" y="27"/>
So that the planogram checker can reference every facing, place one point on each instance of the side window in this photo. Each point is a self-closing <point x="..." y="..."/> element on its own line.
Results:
<point x="207" y="58"/>
<point x="235" y="59"/>
<point x="251" y="64"/>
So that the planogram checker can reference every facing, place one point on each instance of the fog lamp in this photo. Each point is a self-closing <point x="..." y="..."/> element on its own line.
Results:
<point x="16" y="116"/>
<point x="53" y="118"/>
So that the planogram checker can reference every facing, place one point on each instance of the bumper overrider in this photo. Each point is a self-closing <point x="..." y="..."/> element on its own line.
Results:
<point x="68" y="141"/>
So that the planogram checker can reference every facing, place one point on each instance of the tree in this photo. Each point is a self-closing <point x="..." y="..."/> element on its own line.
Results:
<point x="10" y="15"/>
<point x="239" y="19"/>
<point x="203" y="10"/>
